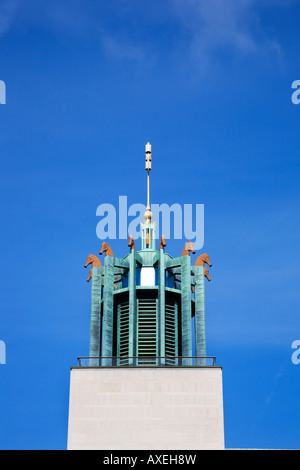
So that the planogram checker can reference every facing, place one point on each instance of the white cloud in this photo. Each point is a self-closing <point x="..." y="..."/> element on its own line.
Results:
<point x="8" y="9"/>
<point x="205" y="27"/>
<point x="121" y="49"/>
<point x="217" y="24"/>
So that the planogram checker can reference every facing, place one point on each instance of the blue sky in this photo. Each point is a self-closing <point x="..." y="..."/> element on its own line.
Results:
<point x="209" y="85"/>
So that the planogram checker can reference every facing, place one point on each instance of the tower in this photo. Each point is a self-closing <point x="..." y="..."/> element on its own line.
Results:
<point x="141" y="386"/>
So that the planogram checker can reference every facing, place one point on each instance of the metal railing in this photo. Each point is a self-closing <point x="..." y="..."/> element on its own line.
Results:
<point x="147" y="361"/>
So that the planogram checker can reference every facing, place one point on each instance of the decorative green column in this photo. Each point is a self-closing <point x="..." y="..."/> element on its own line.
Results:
<point x="161" y="306"/>
<point x="200" y="339"/>
<point x="132" y="350"/>
<point x="95" y="324"/>
<point x="186" y="309"/>
<point x="108" y="310"/>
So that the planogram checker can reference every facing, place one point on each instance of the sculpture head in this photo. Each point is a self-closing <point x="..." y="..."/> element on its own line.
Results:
<point x="206" y="274"/>
<point x="205" y="258"/>
<point x="162" y="243"/>
<point x="189" y="247"/>
<point x="92" y="259"/>
<point x="89" y="260"/>
<point x="105" y="248"/>
<point x="131" y="243"/>
<point x="202" y="259"/>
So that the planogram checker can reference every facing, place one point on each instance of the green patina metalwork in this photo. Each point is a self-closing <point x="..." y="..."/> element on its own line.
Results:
<point x="142" y="304"/>
<point x="161" y="304"/>
<point x="130" y="320"/>
<point x="200" y="339"/>
<point x="132" y="349"/>
<point x="148" y="234"/>
<point x="186" y="306"/>
<point x="108" y="307"/>
<point x="95" y="323"/>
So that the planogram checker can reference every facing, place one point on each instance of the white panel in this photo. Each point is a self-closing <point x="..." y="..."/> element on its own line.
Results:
<point x="146" y="408"/>
<point x="148" y="277"/>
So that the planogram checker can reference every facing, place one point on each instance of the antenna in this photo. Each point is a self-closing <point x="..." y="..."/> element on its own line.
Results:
<point x="148" y="213"/>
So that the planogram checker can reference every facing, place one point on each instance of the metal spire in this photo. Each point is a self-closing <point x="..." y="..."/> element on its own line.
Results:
<point x="148" y="213"/>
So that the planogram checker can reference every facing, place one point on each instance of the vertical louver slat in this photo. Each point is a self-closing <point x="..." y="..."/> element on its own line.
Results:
<point x="147" y="330"/>
<point x="179" y="331"/>
<point x="123" y="331"/>
<point x="170" y="336"/>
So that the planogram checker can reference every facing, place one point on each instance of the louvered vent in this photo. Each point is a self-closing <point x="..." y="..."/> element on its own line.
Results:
<point x="179" y="334"/>
<point x="170" y="330"/>
<point x="147" y="329"/>
<point x="123" y="328"/>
